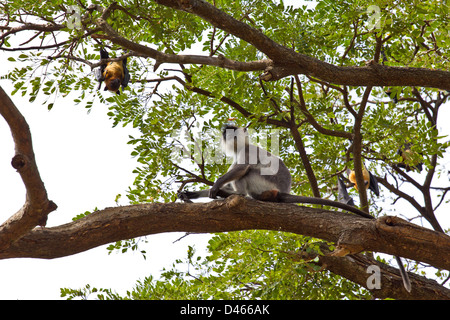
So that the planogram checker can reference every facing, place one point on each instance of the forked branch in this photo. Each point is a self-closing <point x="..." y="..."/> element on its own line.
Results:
<point x="37" y="206"/>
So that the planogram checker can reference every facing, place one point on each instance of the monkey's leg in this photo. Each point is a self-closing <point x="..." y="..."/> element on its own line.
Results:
<point x="186" y="196"/>
<point x="224" y="192"/>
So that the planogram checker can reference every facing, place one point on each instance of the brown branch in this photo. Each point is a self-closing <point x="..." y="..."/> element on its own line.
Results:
<point x="310" y="117"/>
<point x="388" y="235"/>
<point x="282" y="61"/>
<point x="298" y="140"/>
<point x="37" y="206"/>
<point x="352" y="234"/>
<point x="49" y="27"/>
<point x="357" y="146"/>
<point x="228" y="101"/>
<point x="161" y="57"/>
<point x="354" y="268"/>
<point x="287" y="62"/>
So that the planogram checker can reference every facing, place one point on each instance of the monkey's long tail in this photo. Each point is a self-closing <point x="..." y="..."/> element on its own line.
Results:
<point x="405" y="277"/>
<point x="289" y="198"/>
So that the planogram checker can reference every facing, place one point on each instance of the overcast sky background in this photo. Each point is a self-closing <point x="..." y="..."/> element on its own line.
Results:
<point x="85" y="163"/>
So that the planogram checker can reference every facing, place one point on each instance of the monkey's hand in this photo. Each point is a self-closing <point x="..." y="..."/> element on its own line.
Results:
<point x="213" y="192"/>
<point x="185" y="196"/>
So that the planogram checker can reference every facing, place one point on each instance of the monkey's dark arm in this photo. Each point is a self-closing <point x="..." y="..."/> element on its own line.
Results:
<point x="289" y="198"/>
<point x="237" y="172"/>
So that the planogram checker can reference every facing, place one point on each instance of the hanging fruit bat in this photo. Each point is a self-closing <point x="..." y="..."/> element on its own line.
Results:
<point x="343" y="195"/>
<point x="370" y="181"/>
<point x="409" y="157"/>
<point x="114" y="74"/>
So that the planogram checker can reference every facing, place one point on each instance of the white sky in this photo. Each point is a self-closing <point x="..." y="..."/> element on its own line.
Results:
<point x="84" y="163"/>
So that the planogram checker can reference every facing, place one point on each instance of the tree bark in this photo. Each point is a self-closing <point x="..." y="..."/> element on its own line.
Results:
<point x="351" y="233"/>
<point x="37" y="206"/>
<point x="358" y="268"/>
<point x="287" y="62"/>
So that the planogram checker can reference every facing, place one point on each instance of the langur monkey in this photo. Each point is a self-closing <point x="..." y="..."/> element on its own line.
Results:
<point x="260" y="175"/>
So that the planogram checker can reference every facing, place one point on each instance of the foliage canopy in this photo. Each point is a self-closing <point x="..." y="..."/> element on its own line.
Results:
<point x="324" y="127"/>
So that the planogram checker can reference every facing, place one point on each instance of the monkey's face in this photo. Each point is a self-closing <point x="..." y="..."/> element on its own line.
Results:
<point x="233" y="139"/>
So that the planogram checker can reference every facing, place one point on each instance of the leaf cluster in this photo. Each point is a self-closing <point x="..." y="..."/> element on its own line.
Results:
<point x="164" y="105"/>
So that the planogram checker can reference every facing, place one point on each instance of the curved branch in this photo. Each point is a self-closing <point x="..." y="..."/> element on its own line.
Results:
<point x="282" y="61"/>
<point x="37" y="206"/>
<point x="228" y="101"/>
<point x="287" y="62"/>
<point x="310" y="118"/>
<point x="161" y="57"/>
<point x="355" y="268"/>
<point x="352" y="233"/>
<point x="389" y="235"/>
<point x="357" y="146"/>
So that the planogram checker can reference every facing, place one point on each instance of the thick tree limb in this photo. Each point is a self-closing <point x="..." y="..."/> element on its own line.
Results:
<point x="287" y="62"/>
<point x="37" y="206"/>
<point x="389" y="235"/>
<point x="351" y="233"/>
<point x="282" y="61"/>
<point x="357" y="268"/>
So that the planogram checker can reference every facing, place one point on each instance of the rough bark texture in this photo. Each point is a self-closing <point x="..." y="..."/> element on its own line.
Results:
<point x="351" y="233"/>
<point x="37" y="206"/>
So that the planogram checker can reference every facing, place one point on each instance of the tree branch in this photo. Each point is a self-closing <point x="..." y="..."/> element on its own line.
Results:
<point x="287" y="62"/>
<point x="352" y="233"/>
<point x="161" y="57"/>
<point x="37" y="206"/>
<point x="282" y="61"/>
<point x="357" y="146"/>
<point x="354" y="268"/>
<point x="389" y="235"/>
<point x="312" y="121"/>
